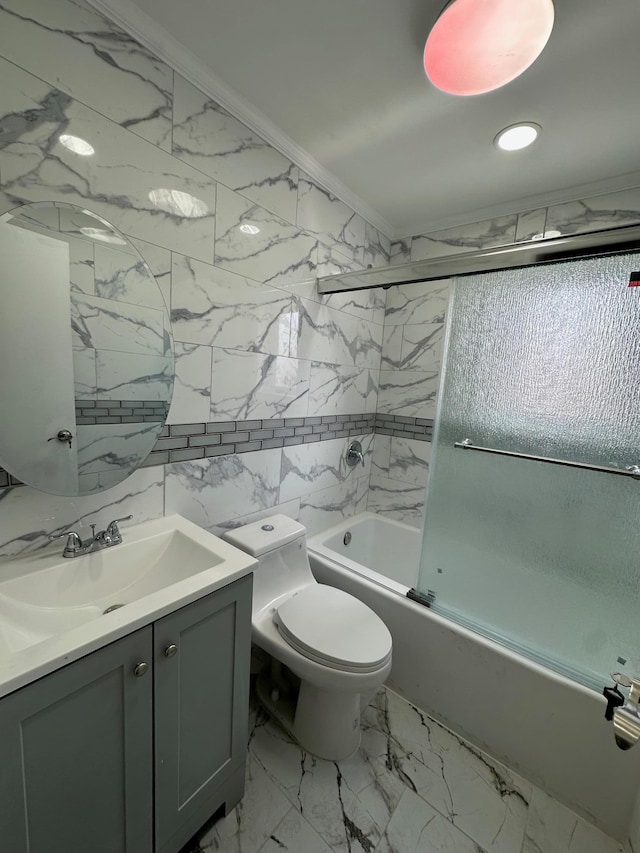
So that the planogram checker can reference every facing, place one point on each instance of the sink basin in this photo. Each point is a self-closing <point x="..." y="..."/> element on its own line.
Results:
<point x="90" y="600"/>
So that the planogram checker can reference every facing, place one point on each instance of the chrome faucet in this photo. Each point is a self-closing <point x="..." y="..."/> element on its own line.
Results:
<point x="625" y="714"/>
<point x="355" y="454"/>
<point x="75" y="547"/>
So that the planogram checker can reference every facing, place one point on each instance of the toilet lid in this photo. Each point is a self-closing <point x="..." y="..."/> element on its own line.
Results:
<point x="334" y="628"/>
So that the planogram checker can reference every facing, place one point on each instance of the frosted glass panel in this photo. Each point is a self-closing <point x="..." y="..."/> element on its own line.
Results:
<point x="544" y="361"/>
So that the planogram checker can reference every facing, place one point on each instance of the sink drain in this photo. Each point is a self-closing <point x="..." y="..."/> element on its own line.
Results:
<point x="113" y="607"/>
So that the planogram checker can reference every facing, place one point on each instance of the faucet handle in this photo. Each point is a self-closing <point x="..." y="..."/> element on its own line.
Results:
<point x="74" y="542"/>
<point x="112" y="527"/>
<point x="614" y="698"/>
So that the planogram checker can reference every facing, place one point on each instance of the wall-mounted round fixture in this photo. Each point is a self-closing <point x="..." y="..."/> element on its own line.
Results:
<point x="76" y="144"/>
<point x="517" y="136"/>
<point x="476" y="46"/>
<point x="248" y="228"/>
<point x="179" y="203"/>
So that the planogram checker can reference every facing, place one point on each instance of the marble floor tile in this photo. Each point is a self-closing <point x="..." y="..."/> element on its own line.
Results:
<point x="412" y="787"/>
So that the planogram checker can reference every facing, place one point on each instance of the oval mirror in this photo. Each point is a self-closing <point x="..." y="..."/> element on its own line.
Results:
<point x="85" y="348"/>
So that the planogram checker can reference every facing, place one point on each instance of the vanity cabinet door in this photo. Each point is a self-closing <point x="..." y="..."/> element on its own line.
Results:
<point x="201" y="656"/>
<point x="76" y="758"/>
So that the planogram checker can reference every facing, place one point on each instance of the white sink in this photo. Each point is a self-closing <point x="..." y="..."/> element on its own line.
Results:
<point x="54" y="610"/>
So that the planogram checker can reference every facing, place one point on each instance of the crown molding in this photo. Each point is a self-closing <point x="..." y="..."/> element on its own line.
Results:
<point x="160" y="42"/>
<point x="579" y="192"/>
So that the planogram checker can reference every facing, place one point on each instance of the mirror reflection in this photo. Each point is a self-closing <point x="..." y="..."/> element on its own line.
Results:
<point x="86" y="351"/>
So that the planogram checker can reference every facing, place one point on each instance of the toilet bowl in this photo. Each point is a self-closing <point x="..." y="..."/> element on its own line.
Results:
<point x="335" y="645"/>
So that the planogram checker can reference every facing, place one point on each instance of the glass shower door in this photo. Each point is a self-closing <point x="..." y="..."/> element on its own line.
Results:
<point x="543" y="361"/>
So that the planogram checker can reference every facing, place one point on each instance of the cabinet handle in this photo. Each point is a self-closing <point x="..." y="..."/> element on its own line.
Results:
<point x="170" y="651"/>
<point x="141" y="669"/>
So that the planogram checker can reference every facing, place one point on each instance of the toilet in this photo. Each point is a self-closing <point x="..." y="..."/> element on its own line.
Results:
<point x="327" y="648"/>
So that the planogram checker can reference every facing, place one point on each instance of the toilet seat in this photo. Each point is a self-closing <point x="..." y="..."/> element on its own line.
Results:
<point x="335" y="629"/>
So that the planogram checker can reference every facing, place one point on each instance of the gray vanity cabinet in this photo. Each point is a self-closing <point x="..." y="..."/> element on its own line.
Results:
<point x="86" y="750"/>
<point x="76" y="768"/>
<point x="201" y="658"/>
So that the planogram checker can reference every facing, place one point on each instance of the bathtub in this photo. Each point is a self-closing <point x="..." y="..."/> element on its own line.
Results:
<point x="542" y="725"/>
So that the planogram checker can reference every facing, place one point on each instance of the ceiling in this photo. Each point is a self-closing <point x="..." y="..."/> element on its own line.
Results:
<point x="343" y="84"/>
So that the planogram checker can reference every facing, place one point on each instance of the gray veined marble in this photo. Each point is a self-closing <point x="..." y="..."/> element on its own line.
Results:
<point x="400" y="251"/>
<point x="115" y="183"/>
<point x="247" y="385"/>
<point x="377" y="247"/>
<point x="321" y="333"/>
<point x="409" y="460"/>
<point x="128" y="376"/>
<point x="114" y="447"/>
<point x="207" y="137"/>
<point x="191" y="401"/>
<point x="415" y="304"/>
<point x="531" y="225"/>
<point x="30" y="517"/>
<point x="91" y="59"/>
<point x="210" y="491"/>
<point x="107" y="324"/>
<point x="402" y="501"/>
<point x="605" y="211"/>
<point x="322" y="508"/>
<point x="340" y="390"/>
<point x="322" y="214"/>
<point x="465" y="238"/>
<point x="408" y="392"/>
<point x="125" y="277"/>
<point x="255" y="243"/>
<point x="318" y="466"/>
<point x="413" y="347"/>
<point x="220" y="308"/>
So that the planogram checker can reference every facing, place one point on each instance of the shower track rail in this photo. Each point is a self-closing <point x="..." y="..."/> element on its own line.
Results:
<point x="629" y="471"/>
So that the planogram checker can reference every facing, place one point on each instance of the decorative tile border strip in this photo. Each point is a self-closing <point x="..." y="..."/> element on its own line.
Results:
<point x="184" y="442"/>
<point x="90" y="412"/>
<point x="402" y="426"/>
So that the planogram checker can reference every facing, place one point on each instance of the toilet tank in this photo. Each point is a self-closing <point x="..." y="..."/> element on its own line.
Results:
<point x="280" y="545"/>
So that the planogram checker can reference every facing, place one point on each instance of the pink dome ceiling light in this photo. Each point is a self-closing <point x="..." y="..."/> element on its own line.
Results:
<point x="476" y="46"/>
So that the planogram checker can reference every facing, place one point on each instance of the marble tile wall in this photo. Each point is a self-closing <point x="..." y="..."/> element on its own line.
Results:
<point x="235" y="234"/>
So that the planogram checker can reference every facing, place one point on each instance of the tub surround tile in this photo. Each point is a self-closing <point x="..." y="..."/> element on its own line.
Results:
<point x="465" y="238"/>
<point x="320" y="333"/>
<point x="36" y="167"/>
<point x="93" y="60"/>
<point x="395" y="499"/>
<point x="320" y="466"/>
<point x="400" y="251"/>
<point x="531" y="225"/>
<point x="191" y="399"/>
<point x="381" y="456"/>
<point x="415" y="304"/>
<point x="553" y="828"/>
<point x="322" y="214"/>
<point x="408" y="392"/>
<point x="420" y="347"/>
<point x="278" y="253"/>
<point x="208" y="138"/>
<point x="216" y="307"/>
<point x="322" y="508"/>
<point x="207" y="491"/>
<point x="340" y="389"/>
<point x="31" y="517"/>
<point x="605" y="211"/>
<point x="367" y="304"/>
<point x="377" y="247"/>
<point x="409" y="460"/>
<point x="252" y="385"/>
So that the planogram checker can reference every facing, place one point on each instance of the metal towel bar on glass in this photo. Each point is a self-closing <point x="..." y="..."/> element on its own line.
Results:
<point x="629" y="471"/>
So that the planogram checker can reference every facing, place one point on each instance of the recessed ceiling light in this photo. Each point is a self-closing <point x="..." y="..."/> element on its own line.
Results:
<point x="477" y="46"/>
<point x="77" y="145"/>
<point x="103" y="235"/>
<point x="248" y="228"/>
<point x="179" y="203"/>
<point x="517" y="136"/>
